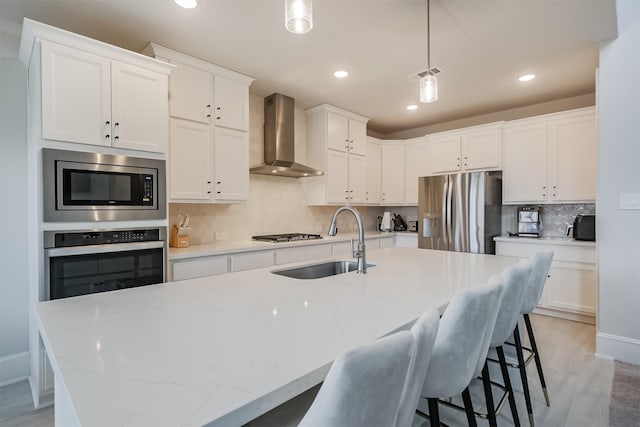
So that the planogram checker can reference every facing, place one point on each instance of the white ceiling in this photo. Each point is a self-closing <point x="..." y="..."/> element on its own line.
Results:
<point x="481" y="45"/>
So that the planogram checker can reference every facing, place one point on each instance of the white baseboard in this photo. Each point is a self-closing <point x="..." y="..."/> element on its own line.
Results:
<point x="14" y="368"/>
<point x="617" y="347"/>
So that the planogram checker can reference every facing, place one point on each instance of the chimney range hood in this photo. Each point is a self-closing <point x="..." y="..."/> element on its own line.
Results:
<point x="279" y="145"/>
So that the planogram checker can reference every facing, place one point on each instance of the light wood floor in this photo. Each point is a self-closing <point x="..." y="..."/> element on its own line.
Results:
<point x="579" y="387"/>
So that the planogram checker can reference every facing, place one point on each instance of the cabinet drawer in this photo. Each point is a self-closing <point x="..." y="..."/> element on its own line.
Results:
<point x="319" y="251"/>
<point x="199" y="267"/>
<point x="560" y="253"/>
<point x="251" y="260"/>
<point x="288" y="255"/>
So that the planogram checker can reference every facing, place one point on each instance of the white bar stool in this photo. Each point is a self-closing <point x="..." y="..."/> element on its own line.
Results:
<point x="424" y="334"/>
<point x="461" y="343"/>
<point x="364" y="385"/>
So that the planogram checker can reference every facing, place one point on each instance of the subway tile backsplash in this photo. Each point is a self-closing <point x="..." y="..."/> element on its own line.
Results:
<point x="555" y="218"/>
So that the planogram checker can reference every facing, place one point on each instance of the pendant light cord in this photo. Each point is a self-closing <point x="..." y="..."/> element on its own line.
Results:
<point x="428" y="39"/>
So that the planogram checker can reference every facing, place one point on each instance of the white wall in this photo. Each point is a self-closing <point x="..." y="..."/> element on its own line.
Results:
<point x="618" y="231"/>
<point x="14" y="315"/>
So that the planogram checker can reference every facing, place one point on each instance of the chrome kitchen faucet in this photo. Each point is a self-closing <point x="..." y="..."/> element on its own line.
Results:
<point x="360" y="252"/>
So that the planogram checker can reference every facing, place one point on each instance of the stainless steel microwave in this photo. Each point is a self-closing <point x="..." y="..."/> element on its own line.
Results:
<point x="81" y="186"/>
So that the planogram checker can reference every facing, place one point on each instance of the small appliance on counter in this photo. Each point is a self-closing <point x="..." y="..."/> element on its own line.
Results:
<point x="584" y="228"/>
<point x="529" y="221"/>
<point x="399" y="223"/>
<point x="413" y="226"/>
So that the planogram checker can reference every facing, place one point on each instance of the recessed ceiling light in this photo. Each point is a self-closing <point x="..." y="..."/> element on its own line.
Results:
<point x="187" y="4"/>
<point x="527" y="77"/>
<point x="412" y="107"/>
<point x="341" y="74"/>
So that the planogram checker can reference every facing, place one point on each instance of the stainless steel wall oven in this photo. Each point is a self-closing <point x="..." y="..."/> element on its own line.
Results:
<point x="82" y="262"/>
<point x="80" y="186"/>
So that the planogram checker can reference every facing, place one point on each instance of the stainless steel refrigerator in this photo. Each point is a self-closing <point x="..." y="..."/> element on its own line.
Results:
<point x="460" y="212"/>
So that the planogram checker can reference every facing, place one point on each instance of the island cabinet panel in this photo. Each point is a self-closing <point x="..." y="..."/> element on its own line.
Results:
<point x="319" y="251"/>
<point x="251" y="260"/>
<point x="387" y="242"/>
<point x="571" y="288"/>
<point x="93" y="99"/>
<point x="551" y="158"/>
<point x="199" y="267"/>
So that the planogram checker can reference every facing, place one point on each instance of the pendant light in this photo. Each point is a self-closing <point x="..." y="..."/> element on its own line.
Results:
<point x="187" y="4"/>
<point x="428" y="83"/>
<point x="298" y="16"/>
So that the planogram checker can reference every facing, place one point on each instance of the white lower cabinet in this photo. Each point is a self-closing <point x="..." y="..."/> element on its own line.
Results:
<point x="199" y="267"/>
<point x="251" y="260"/>
<point x="406" y="240"/>
<point x="571" y="288"/>
<point x="387" y="242"/>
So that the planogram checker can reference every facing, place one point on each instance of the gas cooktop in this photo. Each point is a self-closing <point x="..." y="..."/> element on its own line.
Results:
<point x="288" y="237"/>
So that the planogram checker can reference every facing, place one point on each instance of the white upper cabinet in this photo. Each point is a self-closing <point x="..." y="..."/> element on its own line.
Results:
<point x="551" y="159"/>
<point x="373" y="179"/>
<point x="393" y="173"/>
<point x="231" y="103"/>
<point x="92" y="99"/>
<point x="468" y="149"/>
<point x="346" y="134"/>
<point x="337" y="145"/>
<point x="231" y="160"/>
<point x="76" y="95"/>
<point x="190" y="161"/>
<point x="190" y="93"/>
<point x="416" y="164"/>
<point x="209" y="143"/>
<point x="139" y="108"/>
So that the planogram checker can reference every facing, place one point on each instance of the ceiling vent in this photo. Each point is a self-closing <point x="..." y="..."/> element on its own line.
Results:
<point x="433" y="71"/>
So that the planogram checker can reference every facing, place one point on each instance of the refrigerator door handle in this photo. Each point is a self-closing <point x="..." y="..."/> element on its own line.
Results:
<point x="449" y="213"/>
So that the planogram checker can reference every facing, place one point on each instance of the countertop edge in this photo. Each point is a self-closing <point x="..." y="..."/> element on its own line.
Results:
<point x="546" y="241"/>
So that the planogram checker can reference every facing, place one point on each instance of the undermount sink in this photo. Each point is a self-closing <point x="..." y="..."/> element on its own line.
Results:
<point x="318" y="271"/>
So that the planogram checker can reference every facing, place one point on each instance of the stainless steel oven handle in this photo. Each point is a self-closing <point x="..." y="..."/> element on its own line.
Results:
<point x="103" y="249"/>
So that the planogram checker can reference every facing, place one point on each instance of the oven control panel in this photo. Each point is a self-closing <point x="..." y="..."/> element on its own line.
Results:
<point x="105" y="237"/>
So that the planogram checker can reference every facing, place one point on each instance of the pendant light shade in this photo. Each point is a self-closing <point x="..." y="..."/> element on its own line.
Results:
<point x="298" y="16"/>
<point x="187" y="4"/>
<point x="428" y="88"/>
<point x="428" y="83"/>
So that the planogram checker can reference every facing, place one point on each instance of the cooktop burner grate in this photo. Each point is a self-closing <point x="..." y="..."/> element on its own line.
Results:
<point x="288" y="237"/>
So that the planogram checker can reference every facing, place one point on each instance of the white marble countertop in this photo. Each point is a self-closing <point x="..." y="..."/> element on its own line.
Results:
<point x="236" y="246"/>
<point x="223" y="350"/>
<point x="567" y="241"/>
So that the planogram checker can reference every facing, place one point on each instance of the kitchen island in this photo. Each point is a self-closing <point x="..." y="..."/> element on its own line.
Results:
<point x="223" y="350"/>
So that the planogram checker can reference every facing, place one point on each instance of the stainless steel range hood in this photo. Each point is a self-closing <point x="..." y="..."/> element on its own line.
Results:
<point x="279" y="145"/>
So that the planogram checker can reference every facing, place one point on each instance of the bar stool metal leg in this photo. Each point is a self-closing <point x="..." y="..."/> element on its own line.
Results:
<point x="486" y="381"/>
<point x="507" y="383"/>
<point x="434" y="416"/>
<point x="536" y="356"/>
<point x="523" y="374"/>
<point x="468" y="407"/>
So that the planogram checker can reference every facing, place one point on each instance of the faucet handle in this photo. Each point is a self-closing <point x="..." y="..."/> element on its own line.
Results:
<point x="353" y="252"/>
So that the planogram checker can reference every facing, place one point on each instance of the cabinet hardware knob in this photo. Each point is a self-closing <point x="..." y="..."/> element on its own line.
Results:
<point x="107" y="136"/>
<point x="208" y="105"/>
<point x="116" y="137"/>
<point x="544" y="195"/>
<point x="544" y="188"/>
<point x="107" y="123"/>
<point x="554" y="186"/>
<point x="208" y="182"/>
<point x="218" y="192"/>
<point x="217" y="108"/>
<point x="116" y="124"/>
<point x="208" y="115"/>
<point x="218" y="182"/>
<point x="554" y="194"/>
<point x="208" y="192"/>
<point x="218" y="118"/>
